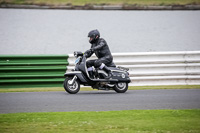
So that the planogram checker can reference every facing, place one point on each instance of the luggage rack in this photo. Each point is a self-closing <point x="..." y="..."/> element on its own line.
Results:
<point x="123" y="68"/>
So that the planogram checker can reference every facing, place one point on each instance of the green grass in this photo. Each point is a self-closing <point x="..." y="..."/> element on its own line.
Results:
<point x="146" y="121"/>
<point x="102" y="2"/>
<point x="44" y="89"/>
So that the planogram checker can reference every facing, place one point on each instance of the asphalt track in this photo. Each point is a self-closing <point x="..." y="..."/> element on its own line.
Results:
<point x="99" y="100"/>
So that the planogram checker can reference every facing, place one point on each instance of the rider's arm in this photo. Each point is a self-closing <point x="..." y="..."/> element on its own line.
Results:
<point x="88" y="53"/>
<point x="101" y="45"/>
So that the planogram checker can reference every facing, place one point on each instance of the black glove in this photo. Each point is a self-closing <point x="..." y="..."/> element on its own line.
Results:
<point x="87" y="53"/>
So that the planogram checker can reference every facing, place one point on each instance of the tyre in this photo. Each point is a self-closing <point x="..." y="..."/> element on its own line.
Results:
<point x="71" y="88"/>
<point x="121" y="87"/>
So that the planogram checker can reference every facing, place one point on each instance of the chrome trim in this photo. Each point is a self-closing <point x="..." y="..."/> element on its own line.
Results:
<point x="118" y="71"/>
<point x="110" y="85"/>
<point x="73" y="72"/>
<point x="102" y="72"/>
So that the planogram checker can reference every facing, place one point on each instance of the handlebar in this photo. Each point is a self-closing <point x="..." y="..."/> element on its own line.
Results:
<point x="78" y="53"/>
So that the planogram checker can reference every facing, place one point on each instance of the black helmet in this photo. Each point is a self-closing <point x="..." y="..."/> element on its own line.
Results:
<point x="93" y="36"/>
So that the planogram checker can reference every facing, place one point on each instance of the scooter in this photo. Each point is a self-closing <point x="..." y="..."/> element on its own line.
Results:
<point x="80" y="76"/>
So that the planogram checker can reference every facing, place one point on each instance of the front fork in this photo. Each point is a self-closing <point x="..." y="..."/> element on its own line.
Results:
<point x="71" y="82"/>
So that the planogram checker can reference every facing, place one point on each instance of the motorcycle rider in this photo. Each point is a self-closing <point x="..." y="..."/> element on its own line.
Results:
<point x="102" y="51"/>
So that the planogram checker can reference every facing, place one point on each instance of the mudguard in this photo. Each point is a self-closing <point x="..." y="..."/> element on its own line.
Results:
<point x="78" y="74"/>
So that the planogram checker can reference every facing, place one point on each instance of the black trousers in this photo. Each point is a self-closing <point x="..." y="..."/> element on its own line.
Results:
<point x="97" y="62"/>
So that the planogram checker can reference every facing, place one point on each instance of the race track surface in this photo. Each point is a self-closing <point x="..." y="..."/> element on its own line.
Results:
<point x="99" y="100"/>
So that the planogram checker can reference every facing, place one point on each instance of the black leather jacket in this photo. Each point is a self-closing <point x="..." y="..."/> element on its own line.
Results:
<point x="101" y="49"/>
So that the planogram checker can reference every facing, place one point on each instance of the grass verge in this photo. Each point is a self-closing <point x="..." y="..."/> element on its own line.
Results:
<point x="102" y="2"/>
<point x="44" y="89"/>
<point x="172" y="121"/>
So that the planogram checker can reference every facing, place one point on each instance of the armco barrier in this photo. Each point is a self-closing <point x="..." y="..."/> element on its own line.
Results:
<point x="146" y="68"/>
<point x="32" y="71"/>
<point x="158" y="68"/>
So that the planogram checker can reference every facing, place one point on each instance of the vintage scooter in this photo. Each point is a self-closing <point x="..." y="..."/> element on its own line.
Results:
<point x="79" y="76"/>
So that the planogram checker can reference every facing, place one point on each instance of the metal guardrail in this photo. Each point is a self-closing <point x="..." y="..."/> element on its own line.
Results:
<point x="32" y="70"/>
<point x="146" y="68"/>
<point x="159" y="68"/>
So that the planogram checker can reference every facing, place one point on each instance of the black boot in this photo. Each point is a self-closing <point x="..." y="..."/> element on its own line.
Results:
<point x="108" y="71"/>
<point x="91" y="74"/>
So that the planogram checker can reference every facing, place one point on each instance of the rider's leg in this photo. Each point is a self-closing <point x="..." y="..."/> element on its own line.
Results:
<point x="91" y="72"/>
<point x="107" y="70"/>
<point x="90" y="69"/>
<point x="100" y="63"/>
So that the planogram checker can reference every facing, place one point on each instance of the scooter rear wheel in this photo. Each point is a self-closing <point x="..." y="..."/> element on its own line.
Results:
<point x="71" y="88"/>
<point x="121" y="87"/>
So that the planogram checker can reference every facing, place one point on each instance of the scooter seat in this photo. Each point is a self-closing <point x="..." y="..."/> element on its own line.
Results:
<point x="113" y="68"/>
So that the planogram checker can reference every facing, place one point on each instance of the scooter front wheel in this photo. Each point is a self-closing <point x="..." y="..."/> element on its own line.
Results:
<point x="71" y="88"/>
